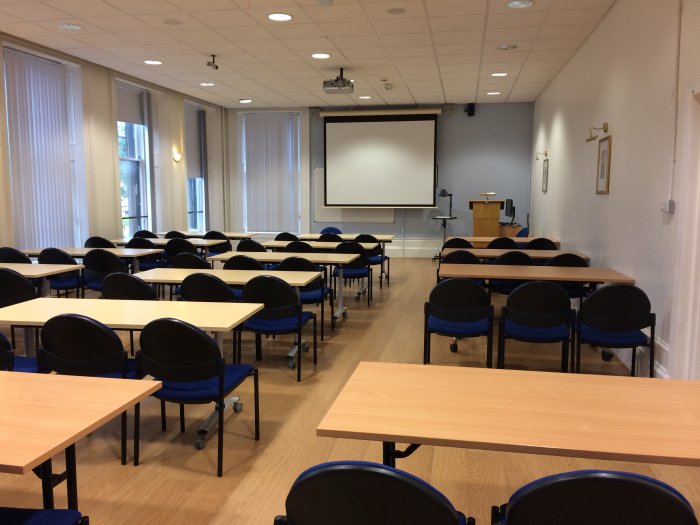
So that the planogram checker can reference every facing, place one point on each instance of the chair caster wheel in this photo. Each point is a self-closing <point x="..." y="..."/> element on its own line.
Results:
<point x="453" y="348"/>
<point x="291" y="363"/>
<point x="607" y="355"/>
<point x="200" y="443"/>
<point x="345" y="315"/>
<point x="304" y="346"/>
<point x="357" y="297"/>
<point x="237" y="407"/>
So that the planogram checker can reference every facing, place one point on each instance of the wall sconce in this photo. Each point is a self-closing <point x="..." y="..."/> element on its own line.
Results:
<point x="177" y="156"/>
<point x="542" y="153"/>
<point x="591" y="136"/>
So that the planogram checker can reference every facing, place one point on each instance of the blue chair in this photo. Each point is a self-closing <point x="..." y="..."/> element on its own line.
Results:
<point x="9" y="361"/>
<point x="242" y="262"/>
<point x="175" y="246"/>
<point x="150" y="261"/>
<point x="187" y="260"/>
<point x="250" y="245"/>
<point x="537" y="312"/>
<point x="218" y="248"/>
<point x="282" y="314"/>
<point x="64" y="282"/>
<point x="331" y="229"/>
<point x="15" y="288"/>
<point x="357" y="269"/>
<point x="314" y="293"/>
<point x="98" y="265"/>
<point x="74" y="344"/>
<point x="523" y="232"/>
<point x="98" y="242"/>
<point x="361" y="492"/>
<point x="330" y="237"/>
<point x="146" y="234"/>
<point x="503" y="243"/>
<point x="205" y="287"/>
<point x="613" y="317"/>
<point x="575" y="290"/>
<point x="541" y="243"/>
<point x="595" y="497"/>
<point x="459" y="257"/>
<point x="15" y="516"/>
<point x="457" y="242"/>
<point x="192" y="369"/>
<point x="286" y="236"/>
<point x="175" y="234"/>
<point x="458" y="308"/>
<point x="376" y="255"/>
<point x="506" y="286"/>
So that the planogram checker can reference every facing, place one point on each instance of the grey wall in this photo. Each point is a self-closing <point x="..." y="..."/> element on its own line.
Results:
<point x="490" y="151"/>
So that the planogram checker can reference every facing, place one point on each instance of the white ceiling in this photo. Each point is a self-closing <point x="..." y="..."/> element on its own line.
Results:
<point x="436" y="52"/>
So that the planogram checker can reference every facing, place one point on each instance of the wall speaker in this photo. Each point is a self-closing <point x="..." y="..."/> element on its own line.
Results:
<point x="470" y="109"/>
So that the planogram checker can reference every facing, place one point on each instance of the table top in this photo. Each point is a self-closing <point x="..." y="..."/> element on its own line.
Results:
<point x="589" y="416"/>
<point x="33" y="271"/>
<point x="45" y="413"/>
<point x="230" y="235"/>
<point x="519" y="240"/>
<point x="160" y="241"/>
<point x="127" y="253"/>
<point x="131" y="314"/>
<point x="588" y="274"/>
<point x="236" y="277"/>
<point x="317" y="245"/>
<point x="381" y="237"/>
<point x="274" y="257"/>
<point x="493" y="253"/>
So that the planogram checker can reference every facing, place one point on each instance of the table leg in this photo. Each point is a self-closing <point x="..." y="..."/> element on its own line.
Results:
<point x="71" y="478"/>
<point x="47" y="484"/>
<point x="135" y="265"/>
<point x="341" y="311"/>
<point x="390" y="454"/>
<point x="45" y="287"/>
<point x="29" y="341"/>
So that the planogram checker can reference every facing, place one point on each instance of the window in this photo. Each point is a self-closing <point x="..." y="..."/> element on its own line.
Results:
<point x="132" y="140"/>
<point x="47" y="175"/>
<point x="196" y="162"/>
<point x="271" y="168"/>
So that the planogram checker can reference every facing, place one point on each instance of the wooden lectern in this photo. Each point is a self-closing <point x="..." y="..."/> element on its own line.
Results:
<point x="486" y="215"/>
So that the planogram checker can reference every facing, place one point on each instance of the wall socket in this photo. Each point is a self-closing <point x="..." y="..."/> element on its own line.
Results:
<point x="668" y="206"/>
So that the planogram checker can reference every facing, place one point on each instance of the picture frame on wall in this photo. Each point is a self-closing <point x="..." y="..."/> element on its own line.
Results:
<point x="545" y="175"/>
<point x="603" y="167"/>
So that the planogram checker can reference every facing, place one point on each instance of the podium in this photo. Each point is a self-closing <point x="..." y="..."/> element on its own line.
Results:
<point x="486" y="215"/>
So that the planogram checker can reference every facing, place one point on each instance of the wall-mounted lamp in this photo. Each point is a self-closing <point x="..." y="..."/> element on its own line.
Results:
<point x="544" y="153"/>
<point x="177" y="156"/>
<point x="591" y="136"/>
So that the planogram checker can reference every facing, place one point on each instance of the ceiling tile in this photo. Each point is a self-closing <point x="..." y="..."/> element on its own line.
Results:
<point x="456" y="7"/>
<point x="33" y="11"/>
<point x="456" y="23"/>
<point x="575" y="16"/>
<point x="140" y="7"/>
<point x="84" y="9"/>
<point x="458" y="37"/>
<point x="411" y="25"/>
<point x="517" y="20"/>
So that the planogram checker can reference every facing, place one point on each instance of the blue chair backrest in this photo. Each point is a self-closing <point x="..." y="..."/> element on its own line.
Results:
<point x="331" y="229"/>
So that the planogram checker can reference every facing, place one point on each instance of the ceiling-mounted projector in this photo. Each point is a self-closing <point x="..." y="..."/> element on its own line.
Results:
<point x="339" y="85"/>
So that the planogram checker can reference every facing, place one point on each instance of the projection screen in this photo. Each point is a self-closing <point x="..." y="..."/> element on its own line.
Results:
<point x="380" y="161"/>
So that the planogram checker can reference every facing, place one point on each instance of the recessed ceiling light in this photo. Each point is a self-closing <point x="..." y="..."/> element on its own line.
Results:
<point x="520" y="4"/>
<point x="245" y="100"/>
<point x="506" y="47"/>
<point x="396" y="10"/>
<point x="491" y="93"/>
<point x="279" y="17"/>
<point x="364" y="97"/>
<point x="320" y="56"/>
<point x="152" y="62"/>
<point x="70" y="27"/>
<point x="499" y="74"/>
<point x="206" y="84"/>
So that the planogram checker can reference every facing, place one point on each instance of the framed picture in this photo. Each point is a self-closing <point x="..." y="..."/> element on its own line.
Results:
<point x="545" y="175"/>
<point x="602" y="185"/>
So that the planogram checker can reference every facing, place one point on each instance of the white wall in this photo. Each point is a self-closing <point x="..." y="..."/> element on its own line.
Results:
<point x="624" y="74"/>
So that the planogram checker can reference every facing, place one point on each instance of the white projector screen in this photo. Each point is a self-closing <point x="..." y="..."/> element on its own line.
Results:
<point x="382" y="161"/>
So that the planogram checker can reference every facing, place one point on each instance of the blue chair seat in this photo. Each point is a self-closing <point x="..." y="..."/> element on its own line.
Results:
<point x="458" y="329"/>
<point x="277" y="326"/>
<point x="313" y="296"/>
<point x="377" y="259"/>
<point x="626" y="339"/>
<point x="207" y="389"/>
<point x="237" y="293"/>
<point x="25" y="364"/>
<point x="12" y="516"/>
<point x="95" y="285"/>
<point x="64" y="283"/>
<point x="148" y="265"/>
<point x="352" y="273"/>
<point x="540" y="334"/>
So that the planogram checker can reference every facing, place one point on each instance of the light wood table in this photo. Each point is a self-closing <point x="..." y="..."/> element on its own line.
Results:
<point x="481" y="242"/>
<point x="44" y="414"/>
<point x="230" y="235"/>
<point x="234" y="277"/>
<point x="586" y="274"/>
<point x="383" y="239"/>
<point x="316" y="245"/>
<point x="493" y="253"/>
<point x="129" y="314"/>
<point x="125" y="253"/>
<point x="325" y="258"/>
<point x="42" y="271"/>
<point x="587" y="416"/>
<point x="201" y="244"/>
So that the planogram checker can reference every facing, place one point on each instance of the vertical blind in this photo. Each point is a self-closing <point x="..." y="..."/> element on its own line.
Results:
<point x="194" y="146"/>
<point x="39" y="150"/>
<point x="271" y="171"/>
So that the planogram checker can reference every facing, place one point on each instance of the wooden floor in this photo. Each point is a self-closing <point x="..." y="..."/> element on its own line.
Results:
<point x="177" y="484"/>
